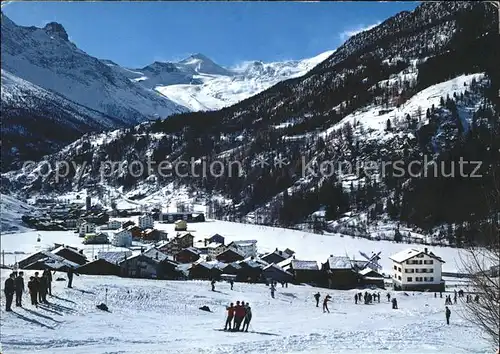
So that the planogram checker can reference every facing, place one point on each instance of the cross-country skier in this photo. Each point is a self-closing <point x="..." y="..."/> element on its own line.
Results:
<point x="448" y="314"/>
<point x="19" y="284"/>
<point x="388" y="297"/>
<point x="355" y="298"/>
<point x="317" y="296"/>
<point x="273" y="289"/>
<point x="231" y="282"/>
<point x="248" y="317"/>
<point x="325" y="303"/>
<point x="230" y="316"/>
<point x="213" y="284"/>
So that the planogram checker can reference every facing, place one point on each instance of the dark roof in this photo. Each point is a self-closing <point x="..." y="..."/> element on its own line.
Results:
<point x="192" y="250"/>
<point x="232" y="250"/>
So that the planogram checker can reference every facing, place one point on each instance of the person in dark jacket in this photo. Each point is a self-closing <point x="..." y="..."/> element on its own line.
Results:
<point x="448" y="314"/>
<point x="48" y="275"/>
<point x="33" y="289"/>
<point x="9" y="289"/>
<point x="248" y="317"/>
<point x="42" y="290"/>
<point x="19" y="284"/>
<point x="213" y="284"/>
<point x="317" y="296"/>
<point x="325" y="303"/>
<point x="355" y="298"/>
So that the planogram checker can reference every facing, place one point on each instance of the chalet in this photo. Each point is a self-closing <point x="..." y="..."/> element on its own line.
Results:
<point x="122" y="238"/>
<point x="86" y="228"/>
<point x="135" y="231"/>
<point x="204" y="270"/>
<point x="99" y="267"/>
<point x="302" y="271"/>
<point x="251" y="269"/>
<point x="173" y="217"/>
<point x="231" y="269"/>
<point x="178" y="243"/>
<point x="276" y="256"/>
<point x="46" y="260"/>
<point x="274" y="272"/>
<point x="215" y="239"/>
<point x="71" y="254"/>
<point x="96" y="217"/>
<point x="187" y="255"/>
<point x="247" y="247"/>
<point x="338" y="273"/>
<point x="146" y="222"/>
<point x="114" y="224"/>
<point x="230" y="255"/>
<point x="96" y="239"/>
<point x="127" y="224"/>
<point x="370" y="277"/>
<point x="214" y="249"/>
<point x="154" y="235"/>
<point x="289" y="251"/>
<point x="415" y="269"/>
<point x="180" y="225"/>
<point x="149" y="264"/>
<point x="70" y="223"/>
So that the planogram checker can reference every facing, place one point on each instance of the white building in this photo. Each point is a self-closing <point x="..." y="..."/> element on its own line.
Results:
<point x="146" y="221"/>
<point x="417" y="270"/>
<point x="213" y="249"/>
<point x="247" y="247"/>
<point x="114" y="224"/>
<point x="86" y="228"/>
<point x="122" y="238"/>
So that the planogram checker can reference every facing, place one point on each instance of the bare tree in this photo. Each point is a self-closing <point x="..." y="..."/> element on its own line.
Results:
<point x="482" y="263"/>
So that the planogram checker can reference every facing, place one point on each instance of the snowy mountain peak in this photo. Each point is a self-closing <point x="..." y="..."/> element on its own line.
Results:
<point x="204" y="65"/>
<point x="55" y="29"/>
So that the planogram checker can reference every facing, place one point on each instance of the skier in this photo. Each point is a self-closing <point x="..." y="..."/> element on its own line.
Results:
<point x="448" y="313"/>
<point x="213" y="284"/>
<point x="356" y="298"/>
<point x="476" y="298"/>
<point x="273" y="289"/>
<point x="48" y="275"/>
<point x="325" y="303"/>
<point x="9" y="289"/>
<point x="435" y="295"/>
<point x="388" y="297"/>
<point x="378" y="297"/>
<point x="394" y="304"/>
<point x="455" y="298"/>
<point x="231" y="282"/>
<point x="248" y="317"/>
<point x="317" y="296"/>
<point x="19" y="284"/>
<point x="230" y="316"/>
<point x="441" y="294"/>
<point x="33" y="288"/>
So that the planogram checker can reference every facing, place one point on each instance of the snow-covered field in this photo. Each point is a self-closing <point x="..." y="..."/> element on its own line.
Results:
<point x="153" y="316"/>
<point x="11" y="211"/>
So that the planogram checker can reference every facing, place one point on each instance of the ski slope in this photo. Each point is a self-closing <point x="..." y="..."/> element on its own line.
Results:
<point x="154" y="316"/>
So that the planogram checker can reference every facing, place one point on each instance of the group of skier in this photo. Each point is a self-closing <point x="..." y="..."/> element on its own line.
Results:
<point x="326" y="300"/>
<point x="38" y="288"/>
<point x="367" y="297"/>
<point x="236" y="315"/>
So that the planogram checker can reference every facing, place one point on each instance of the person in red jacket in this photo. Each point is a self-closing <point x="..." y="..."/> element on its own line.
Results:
<point x="239" y="314"/>
<point x="230" y="316"/>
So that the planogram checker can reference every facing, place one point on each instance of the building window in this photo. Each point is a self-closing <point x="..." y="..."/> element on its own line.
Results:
<point x="429" y="261"/>
<point x="399" y="277"/>
<point x="420" y="261"/>
<point x="431" y="279"/>
<point x="395" y="268"/>
<point x="399" y="269"/>
<point x="425" y="278"/>
<point x="409" y="279"/>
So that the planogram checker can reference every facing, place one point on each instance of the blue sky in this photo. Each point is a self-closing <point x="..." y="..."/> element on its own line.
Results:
<point x="135" y="34"/>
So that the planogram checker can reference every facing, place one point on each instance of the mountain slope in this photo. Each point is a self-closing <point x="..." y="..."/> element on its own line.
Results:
<point x="46" y="57"/>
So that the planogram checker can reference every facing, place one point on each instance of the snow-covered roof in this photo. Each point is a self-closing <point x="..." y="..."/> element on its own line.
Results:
<point x="409" y="253"/>
<point x="60" y="248"/>
<point x="339" y="262"/>
<point x="244" y="242"/>
<point x="368" y="271"/>
<point x="114" y="257"/>
<point x="277" y="267"/>
<point x="214" y="245"/>
<point x="192" y="250"/>
<point x="304" y="265"/>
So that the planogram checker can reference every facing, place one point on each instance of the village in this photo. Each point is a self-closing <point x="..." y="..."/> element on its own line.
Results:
<point x="137" y="246"/>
